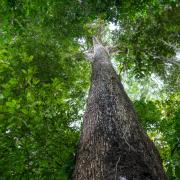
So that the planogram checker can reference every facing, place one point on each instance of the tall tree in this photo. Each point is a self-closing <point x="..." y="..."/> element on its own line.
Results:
<point x="44" y="79"/>
<point x="113" y="145"/>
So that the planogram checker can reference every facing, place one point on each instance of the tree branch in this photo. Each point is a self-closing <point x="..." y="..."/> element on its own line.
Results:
<point x="115" y="50"/>
<point x="89" y="56"/>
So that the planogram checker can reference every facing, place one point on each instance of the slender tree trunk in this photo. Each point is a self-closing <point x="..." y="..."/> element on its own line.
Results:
<point x="113" y="145"/>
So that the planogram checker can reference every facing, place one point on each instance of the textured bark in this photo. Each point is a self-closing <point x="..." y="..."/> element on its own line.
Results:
<point x="113" y="145"/>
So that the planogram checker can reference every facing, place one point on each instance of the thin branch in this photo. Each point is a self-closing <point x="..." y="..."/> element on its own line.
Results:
<point x="169" y="44"/>
<point x="116" y="50"/>
<point x="89" y="56"/>
<point x="172" y="60"/>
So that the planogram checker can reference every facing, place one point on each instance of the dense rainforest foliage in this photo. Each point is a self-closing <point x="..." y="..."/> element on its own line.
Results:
<point x="44" y="77"/>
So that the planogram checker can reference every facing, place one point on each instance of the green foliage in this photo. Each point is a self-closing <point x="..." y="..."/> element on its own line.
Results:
<point x="151" y="38"/>
<point x="149" y="115"/>
<point x="161" y="120"/>
<point x="42" y="93"/>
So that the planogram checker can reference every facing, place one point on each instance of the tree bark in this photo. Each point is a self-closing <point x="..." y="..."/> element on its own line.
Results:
<point x="113" y="145"/>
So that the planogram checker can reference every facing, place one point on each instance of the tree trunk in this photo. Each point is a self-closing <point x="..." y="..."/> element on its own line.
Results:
<point x="113" y="145"/>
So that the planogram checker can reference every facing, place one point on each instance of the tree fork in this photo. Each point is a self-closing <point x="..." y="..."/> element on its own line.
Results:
<point x="113" y="145"/>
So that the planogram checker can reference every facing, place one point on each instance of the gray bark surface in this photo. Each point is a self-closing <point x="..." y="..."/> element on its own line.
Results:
<point x="113" y="145"/>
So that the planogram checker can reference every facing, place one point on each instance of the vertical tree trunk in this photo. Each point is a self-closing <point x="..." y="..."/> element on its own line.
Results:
<point x="113" y="145"/>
